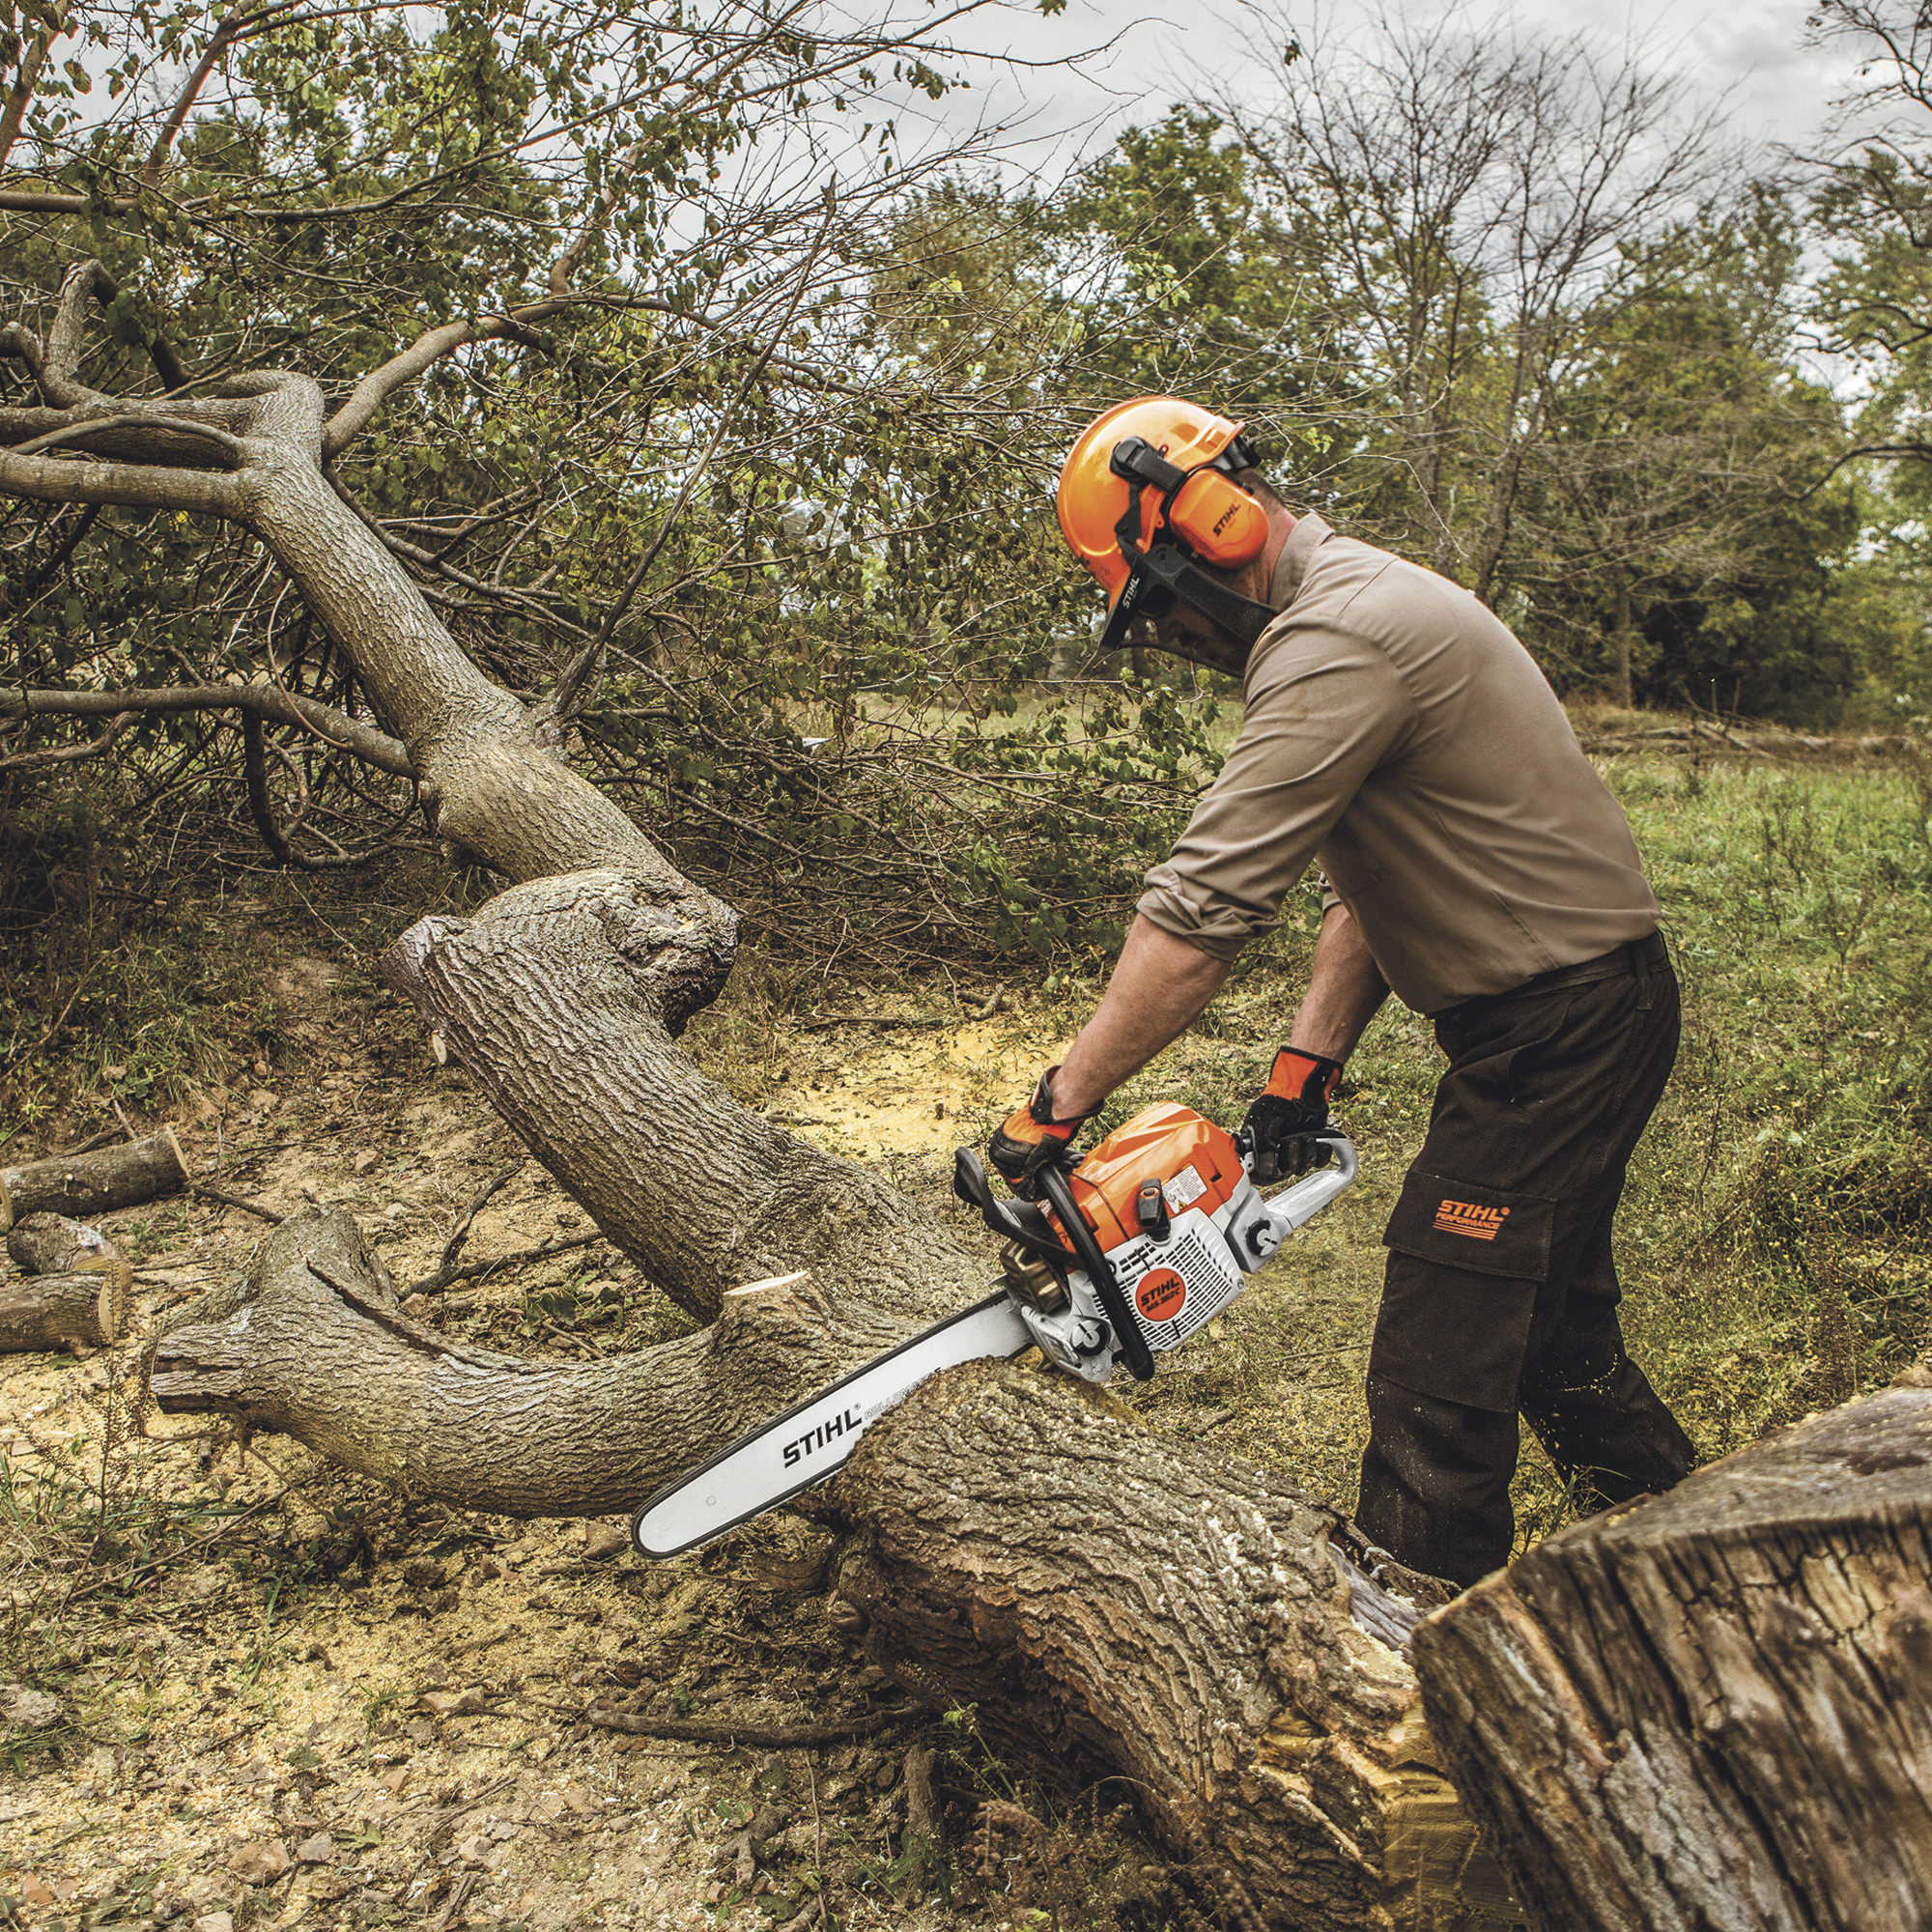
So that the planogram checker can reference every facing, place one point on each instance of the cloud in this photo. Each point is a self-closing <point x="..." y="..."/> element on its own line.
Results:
<point x="1140" y="55"/>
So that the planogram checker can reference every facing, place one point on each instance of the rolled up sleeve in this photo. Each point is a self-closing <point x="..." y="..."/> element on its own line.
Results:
<point x="1321" y="712"/>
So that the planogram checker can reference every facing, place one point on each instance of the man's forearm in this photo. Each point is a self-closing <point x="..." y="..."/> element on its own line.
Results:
<point x="1346" y="990"/>
<point x="1159" y="989"/>
<point x="1161" y="984"/>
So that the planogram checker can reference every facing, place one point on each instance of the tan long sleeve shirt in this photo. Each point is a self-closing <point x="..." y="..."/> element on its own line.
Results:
<point x="1396" y="731"/>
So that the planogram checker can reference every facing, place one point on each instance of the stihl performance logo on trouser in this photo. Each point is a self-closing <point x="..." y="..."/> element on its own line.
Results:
<point x="1465" y="1217"/>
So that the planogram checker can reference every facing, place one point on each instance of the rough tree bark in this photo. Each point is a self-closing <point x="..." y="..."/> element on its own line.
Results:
<point x="1710" y="1710"/>
<point x="50" y="1311"/>
<point x="1114" y="1606"/>
<point x="562" y="1000"/>
<point x="121" y="1175"/>
<point x="53" y="1244"/>
<point x="78" y="1291"/>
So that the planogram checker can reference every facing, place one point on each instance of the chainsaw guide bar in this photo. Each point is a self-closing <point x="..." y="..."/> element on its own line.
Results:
<point x="808" y="1442"/>
<point x="1137" y="1245"/>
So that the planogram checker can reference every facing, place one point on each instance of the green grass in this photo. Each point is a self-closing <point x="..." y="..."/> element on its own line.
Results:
<point x="1778" y="1219"/>
<point x="1773" y="1240"/>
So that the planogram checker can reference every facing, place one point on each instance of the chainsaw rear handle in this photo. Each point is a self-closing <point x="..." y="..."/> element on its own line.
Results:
<point x="1055" y="1184"/>
<point x="1296" y="1206"/>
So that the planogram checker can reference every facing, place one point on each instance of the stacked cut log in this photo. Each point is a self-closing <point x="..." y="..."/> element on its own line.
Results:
<point x="94" y="1183"/>
<point x="1713" y="1709"/>
<point x="73" y="1289"/>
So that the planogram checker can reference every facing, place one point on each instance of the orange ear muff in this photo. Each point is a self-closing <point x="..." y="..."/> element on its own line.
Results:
<point x="1218" y="520"/>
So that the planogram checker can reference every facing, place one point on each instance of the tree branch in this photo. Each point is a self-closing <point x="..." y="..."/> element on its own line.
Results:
<point x="260" y="806"/>
<point x="380" y="385"/>
<point x="54" y="479"/>
<point x="106" y="427"/>
<point x="218" y="44"/>
<point x="52" y="364"/>
<point x="261" y="700"/>
<point x="32" y="57"/>
<point x="68" y="754"/>
<point x="580" y="668"/>
<point x="37" y="581"/>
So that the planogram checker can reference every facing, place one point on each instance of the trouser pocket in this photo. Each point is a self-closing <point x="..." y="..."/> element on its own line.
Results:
<point x="1465" y="1264"/>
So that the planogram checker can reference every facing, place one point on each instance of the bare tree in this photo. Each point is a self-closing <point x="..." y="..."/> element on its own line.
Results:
<point x="1492" y="205"/>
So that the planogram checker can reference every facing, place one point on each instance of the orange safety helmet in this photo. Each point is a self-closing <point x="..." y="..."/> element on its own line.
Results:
<point x="1145" y="493"/>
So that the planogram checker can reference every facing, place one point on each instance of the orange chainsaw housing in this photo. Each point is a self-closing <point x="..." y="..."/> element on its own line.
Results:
<point x="1158" y="1144"/>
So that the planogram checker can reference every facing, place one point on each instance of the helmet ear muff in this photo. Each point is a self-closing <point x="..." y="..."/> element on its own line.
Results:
<point x="1218" y="520"/>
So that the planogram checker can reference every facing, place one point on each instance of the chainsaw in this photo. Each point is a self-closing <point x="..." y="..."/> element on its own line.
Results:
<point x="1135" y="1247"/>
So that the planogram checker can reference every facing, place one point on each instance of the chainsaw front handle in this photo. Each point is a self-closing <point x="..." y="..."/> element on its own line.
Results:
<point x="1296" y="1206"/>
<point x="1128" y="1336"/>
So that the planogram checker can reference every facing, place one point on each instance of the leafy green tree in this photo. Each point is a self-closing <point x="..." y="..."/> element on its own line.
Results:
<point x="1681" y="542"/>
<point x="602" y="293"/>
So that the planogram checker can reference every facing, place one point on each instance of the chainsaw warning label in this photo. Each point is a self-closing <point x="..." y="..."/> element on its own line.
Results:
<point x="1184" y="1189"/>
<point x="1160" y="1294"/>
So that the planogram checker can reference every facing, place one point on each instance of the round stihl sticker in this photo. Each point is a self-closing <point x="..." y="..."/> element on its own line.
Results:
<point x="1160" y="1294"/>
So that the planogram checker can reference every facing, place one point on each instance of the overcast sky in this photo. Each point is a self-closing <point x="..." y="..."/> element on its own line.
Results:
<point x="1753" y="52"/>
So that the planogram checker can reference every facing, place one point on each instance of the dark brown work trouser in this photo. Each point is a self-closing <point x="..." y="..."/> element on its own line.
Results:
<point x="1501" y="1293"/>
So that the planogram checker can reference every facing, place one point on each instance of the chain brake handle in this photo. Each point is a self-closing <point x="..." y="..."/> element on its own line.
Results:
<point x="1056" y="1184"/>
<point x="1013" y="1220"/>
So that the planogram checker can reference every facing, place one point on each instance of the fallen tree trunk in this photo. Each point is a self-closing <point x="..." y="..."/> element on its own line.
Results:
<point x="123" y="1176"/>
<point x="50" y="1311"/>
<point x="562" y="999"/>
<point x="1151" y="1614"/>
<point x="1115" y="1606"/>
<point x="311" y="1344"/>
<point x="1710" y="1709"/>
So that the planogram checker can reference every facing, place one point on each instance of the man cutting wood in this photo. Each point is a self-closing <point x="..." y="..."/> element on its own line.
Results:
<point x="1396" y="733"/>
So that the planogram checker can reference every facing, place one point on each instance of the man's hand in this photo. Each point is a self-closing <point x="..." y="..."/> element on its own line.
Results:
<point x="1031" y="1137"/>
<point x="1282" y="1129"/>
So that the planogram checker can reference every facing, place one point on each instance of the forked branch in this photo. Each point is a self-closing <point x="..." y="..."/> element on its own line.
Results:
<point x="33" y="51"/>
<point x="53" y="365"/>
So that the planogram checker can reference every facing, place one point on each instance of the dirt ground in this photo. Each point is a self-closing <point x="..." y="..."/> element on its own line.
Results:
<point x="241" y="1689"/>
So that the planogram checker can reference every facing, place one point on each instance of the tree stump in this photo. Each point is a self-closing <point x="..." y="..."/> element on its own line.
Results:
<point x="93" y="1183"/>
<point x="1713" y="1709"/>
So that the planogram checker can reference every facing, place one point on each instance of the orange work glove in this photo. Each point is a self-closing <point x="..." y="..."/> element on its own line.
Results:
<point x="1279" y="1137"/>
<point x="1031" y="1137"/>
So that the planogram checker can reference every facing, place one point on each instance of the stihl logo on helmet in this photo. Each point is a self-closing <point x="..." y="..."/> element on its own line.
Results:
<point x="1146" y="493"/>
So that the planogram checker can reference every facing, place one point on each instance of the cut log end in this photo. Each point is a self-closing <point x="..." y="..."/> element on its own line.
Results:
<point x="50" y="1311"/>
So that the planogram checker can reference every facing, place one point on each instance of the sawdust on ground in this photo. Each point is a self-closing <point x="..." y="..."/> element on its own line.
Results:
<point x="320" y="1703"/>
